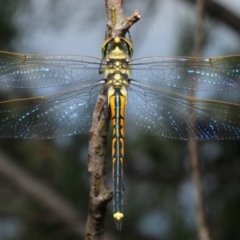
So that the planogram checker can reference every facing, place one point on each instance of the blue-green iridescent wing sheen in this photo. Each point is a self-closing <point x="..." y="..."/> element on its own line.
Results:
<point x="40" y="71"/>
<point x="157" y="111"/>
<point x="65" y="113"/>
<point x="150" y="109"/>
<point x="189" y="73"/>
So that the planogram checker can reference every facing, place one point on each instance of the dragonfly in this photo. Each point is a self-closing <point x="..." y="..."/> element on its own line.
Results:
<point x="144" y="92"/>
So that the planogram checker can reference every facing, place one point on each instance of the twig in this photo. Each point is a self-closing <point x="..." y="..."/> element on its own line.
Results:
<point x="203" y="230"/>
<point x="100" y="195"/>
<point x="121" y="24"/>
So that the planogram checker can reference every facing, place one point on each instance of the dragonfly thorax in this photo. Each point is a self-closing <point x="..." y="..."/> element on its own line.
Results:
<point x="117" y="72"/>
<point x="116" y="53"/>
<point x="117" y="69"/>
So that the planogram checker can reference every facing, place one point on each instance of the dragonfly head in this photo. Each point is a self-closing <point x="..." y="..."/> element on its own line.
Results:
<point x="119" y="46"/>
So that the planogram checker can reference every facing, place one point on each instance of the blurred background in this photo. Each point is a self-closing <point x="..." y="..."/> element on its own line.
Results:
<point x="159" y="192"/>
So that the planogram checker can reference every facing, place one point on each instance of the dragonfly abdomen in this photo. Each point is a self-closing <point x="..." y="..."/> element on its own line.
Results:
<point x="117" y="101"/>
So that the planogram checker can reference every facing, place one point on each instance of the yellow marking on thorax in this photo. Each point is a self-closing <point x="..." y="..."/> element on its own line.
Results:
<point x="117" y="68"/>
<point x="117" y="53"/>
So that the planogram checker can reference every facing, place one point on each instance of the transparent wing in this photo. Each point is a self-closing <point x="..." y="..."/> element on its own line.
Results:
<point x="62" y="114"/>
<point x="190" y="73"/>
<point x="36" y="71"/>
<point x="155" y="111"/>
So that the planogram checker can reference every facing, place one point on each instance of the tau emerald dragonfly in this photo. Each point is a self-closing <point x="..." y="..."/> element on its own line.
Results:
<point x="141" y="91"/>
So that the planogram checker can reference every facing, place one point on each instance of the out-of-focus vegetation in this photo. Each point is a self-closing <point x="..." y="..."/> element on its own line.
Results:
<point x="159" y="195"/>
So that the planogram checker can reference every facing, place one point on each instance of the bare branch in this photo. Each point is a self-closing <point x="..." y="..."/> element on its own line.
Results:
<point x="216" y="10"/>
<point x="100" y="195"/>
<point x="117" y="23"/>
<point x="203" y="230"/>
